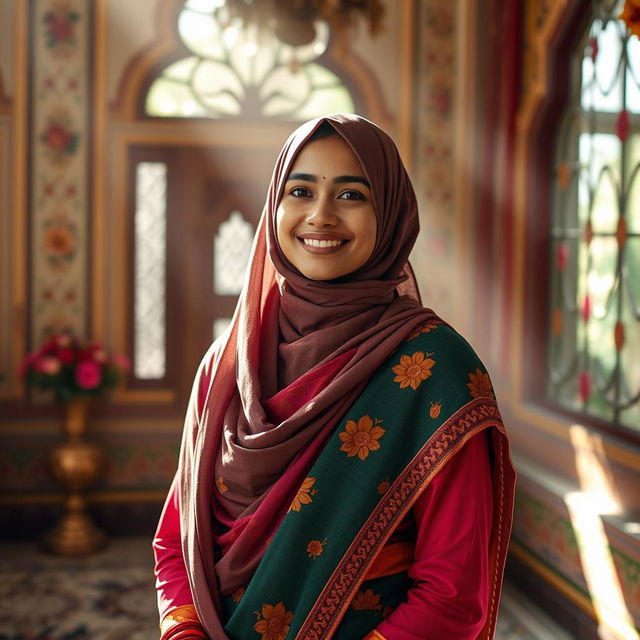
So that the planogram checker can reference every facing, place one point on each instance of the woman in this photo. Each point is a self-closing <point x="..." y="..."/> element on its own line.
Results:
<point x="344" y="471"/>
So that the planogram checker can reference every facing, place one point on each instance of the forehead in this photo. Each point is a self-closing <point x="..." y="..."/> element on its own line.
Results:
<point x="331" y="154"/>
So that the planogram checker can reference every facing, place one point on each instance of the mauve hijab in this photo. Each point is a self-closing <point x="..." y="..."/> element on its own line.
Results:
<point x="285" y="325"/>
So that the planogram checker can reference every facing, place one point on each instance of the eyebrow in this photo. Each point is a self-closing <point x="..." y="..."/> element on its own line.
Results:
<point x="309" y="177"/>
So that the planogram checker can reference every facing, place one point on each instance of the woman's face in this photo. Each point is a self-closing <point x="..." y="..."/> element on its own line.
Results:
<point x="326" y="224"/>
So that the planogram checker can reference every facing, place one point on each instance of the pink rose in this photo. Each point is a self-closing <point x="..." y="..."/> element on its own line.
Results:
<point x="48" y="365"/>
<point x="88" y="374"/>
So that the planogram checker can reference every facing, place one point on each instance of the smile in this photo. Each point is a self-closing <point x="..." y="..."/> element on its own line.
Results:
<point x="311" y="242"/>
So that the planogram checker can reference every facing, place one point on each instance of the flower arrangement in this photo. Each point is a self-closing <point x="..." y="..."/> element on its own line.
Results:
<point x="72" y="368"/>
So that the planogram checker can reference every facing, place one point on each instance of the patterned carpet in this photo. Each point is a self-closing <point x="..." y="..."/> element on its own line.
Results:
<point x="110" y="596"/>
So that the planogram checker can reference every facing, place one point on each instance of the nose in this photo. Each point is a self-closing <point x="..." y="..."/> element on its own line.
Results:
<point x="321" y="213"/>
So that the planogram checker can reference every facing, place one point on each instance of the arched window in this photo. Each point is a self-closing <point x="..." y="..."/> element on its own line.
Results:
<point x="593" y="364"/>
<point x="236" y="72"/>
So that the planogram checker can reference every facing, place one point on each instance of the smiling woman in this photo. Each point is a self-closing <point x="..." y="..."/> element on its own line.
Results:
<point x="326" y="222"/>
<point x="320" y="494"/>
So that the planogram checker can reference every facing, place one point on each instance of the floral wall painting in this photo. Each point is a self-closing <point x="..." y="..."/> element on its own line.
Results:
<point x="60" y="22"/>
<point x="59" y="154"/>
<point x="59" y="140"/>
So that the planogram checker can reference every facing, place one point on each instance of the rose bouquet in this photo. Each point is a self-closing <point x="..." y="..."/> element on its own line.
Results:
<point x="72" y="368"/>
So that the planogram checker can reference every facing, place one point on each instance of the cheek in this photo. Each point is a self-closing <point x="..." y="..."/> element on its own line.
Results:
<point x="281" y="223"/>
<point x="369" y="231"/>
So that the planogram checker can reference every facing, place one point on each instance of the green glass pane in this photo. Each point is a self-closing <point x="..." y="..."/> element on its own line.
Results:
<point x="168" y="98"/>
<point x="322" y="76"/>
<point x="240" y="71"/>
<point x="284" y="91"/>
<point x="251" y="58"/>
<point x="607" y="85"/>
<point x="205" y="6"/>
<point x="605" y="209"/>
<point x="633" y="195"/>
<point x="633" y="75"/>
<point x="598" y="404"/>
<point x="181" y="70"/>
<point x="631" y="324"/>
<point x="218" y="87"/>
<point x="584" y="199"/>
<point x="587" y="88"/>
<point x="602" y="275"/>
<point x="600" y="156"/>
<point x="631" y="417"/>
<point x="201" y="34"/>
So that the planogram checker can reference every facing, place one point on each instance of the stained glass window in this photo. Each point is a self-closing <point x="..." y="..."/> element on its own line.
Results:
<point x="231" y="251"/>
<point x="150" y="270"/>
<point x="595" y="288"/>
<point x="244" y="72"/>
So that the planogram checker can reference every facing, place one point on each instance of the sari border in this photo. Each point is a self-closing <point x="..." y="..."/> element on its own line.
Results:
<point x="329" y="608"/>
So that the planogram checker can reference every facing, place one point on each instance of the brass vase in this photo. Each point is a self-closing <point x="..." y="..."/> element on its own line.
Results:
<point x="75" y="465"/>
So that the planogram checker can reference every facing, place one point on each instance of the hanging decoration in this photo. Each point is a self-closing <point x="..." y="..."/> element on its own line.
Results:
<point x="293" y="21"/>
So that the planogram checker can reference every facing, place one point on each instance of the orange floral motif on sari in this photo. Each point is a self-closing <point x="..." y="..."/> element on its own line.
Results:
<point x="304" y="495"/>
<point x="413" y="370"/>
<point x="361" y="438"/>
<point x="383" y="487"/>
<point x="315" y="548"/>
<point x="480" y="385"/>
<point x="425" y="328"/>
<point x="366" y="601"/>
<point x="273" y="622"/>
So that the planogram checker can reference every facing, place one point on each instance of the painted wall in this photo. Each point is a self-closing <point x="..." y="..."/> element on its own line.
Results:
<point x="80" y="56"/>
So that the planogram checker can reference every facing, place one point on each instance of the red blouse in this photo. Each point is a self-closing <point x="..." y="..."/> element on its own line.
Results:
<point x="449" y="597"/>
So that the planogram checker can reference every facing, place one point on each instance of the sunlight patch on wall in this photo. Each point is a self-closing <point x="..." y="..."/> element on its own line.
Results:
<point x="596" y="498"/>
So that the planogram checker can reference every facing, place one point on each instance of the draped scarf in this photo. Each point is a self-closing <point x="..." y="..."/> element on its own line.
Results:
<point x="287" y="323"/>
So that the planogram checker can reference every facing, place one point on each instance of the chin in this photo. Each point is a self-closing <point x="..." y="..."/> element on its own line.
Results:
<point x="320" y="277"/>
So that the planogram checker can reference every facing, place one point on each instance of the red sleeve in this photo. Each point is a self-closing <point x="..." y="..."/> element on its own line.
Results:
<point x="449" y="596"/>
<point x="172" y="583"/>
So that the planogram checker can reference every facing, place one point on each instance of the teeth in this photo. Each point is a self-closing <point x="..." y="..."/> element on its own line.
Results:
<point x="322" y="243"/>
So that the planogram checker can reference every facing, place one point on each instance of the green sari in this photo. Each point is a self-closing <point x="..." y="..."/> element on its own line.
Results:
<point x="420" y="407"/>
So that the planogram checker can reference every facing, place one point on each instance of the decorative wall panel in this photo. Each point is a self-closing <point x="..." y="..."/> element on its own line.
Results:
<point x="59" y="156"/>
<point x="436" y="73"/>
<point x="133" y="462"/>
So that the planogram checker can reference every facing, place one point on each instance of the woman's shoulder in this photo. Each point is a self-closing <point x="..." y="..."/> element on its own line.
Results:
<point x="435" y="358"/>
<point x="439" y="338"/>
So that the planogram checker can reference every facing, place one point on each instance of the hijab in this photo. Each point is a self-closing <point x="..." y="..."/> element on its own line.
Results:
<point x="286" y="328"/>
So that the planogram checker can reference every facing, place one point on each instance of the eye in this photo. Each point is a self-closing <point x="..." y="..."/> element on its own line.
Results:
<point x="300" y="192"/>
<point x="351" y="195"/>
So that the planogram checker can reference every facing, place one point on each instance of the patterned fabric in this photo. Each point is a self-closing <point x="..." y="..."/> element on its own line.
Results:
<point x="310" y="581"/>
<point x="179" y="621"/>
